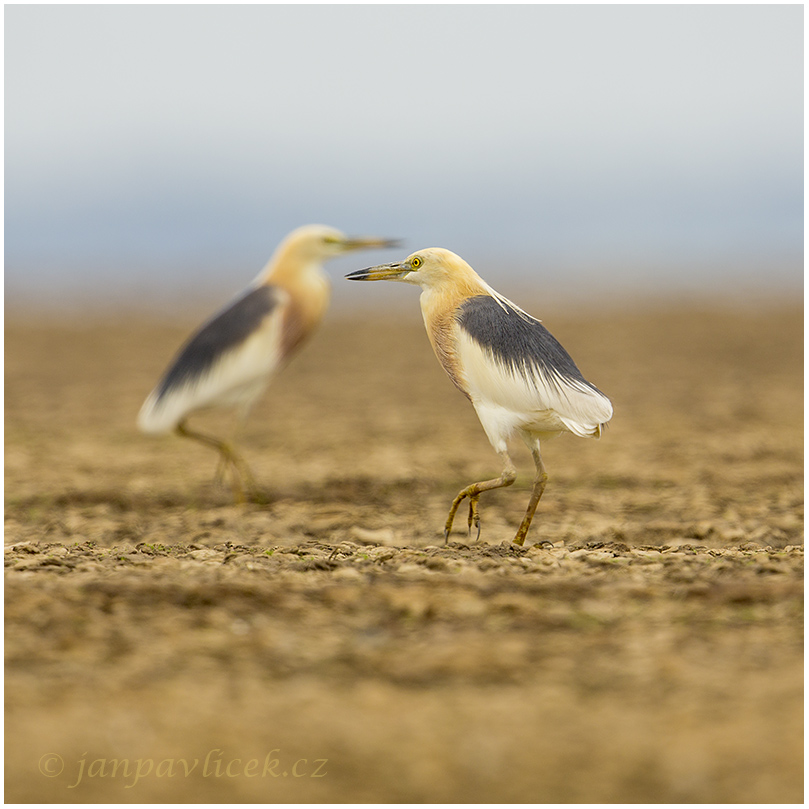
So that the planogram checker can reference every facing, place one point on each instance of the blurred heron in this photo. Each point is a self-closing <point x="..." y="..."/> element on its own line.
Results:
<point x="230" y="360"/>
<point x="516" y="374"/>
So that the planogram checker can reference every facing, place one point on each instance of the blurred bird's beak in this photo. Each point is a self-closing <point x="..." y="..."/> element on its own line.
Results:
<point x="364" y="242"/>
<point x="382" y="272"/>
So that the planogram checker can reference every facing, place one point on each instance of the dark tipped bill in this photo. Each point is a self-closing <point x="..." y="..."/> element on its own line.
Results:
<point x="382" y="272"/>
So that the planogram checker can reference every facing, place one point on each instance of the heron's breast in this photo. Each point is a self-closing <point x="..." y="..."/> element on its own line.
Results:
<point x="302" y="315"/>
<point x="442" y="329"/>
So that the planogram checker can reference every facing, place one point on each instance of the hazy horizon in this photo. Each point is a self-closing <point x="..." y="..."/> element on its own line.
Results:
<point x="161" y="152"/>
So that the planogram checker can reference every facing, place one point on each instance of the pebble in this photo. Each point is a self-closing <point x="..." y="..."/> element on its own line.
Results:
<point x="347" y="573"/>
<point x="379" y="536"/>
<point x="205" y="553"/>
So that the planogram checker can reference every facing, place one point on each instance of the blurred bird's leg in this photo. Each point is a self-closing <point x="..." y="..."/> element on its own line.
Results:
<point x="539" y="486"/>
<point x="473" y="492"/>
<point x="228" y="457"/>
<point x="221" y="469"/>
<point x="257" y="495"/>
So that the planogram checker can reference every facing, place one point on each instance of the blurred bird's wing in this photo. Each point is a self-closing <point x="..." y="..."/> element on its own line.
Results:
<point x="228" y="361"/>
<point x="511" y="363"/>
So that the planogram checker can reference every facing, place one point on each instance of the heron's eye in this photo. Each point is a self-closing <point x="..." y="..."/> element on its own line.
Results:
<point x="416" y="262"/>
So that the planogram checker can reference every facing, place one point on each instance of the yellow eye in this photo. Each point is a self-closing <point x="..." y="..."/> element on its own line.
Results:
<point x="416" y="262"/>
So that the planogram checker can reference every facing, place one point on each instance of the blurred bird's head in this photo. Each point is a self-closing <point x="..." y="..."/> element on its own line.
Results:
<point x="429" y="268"/>
<point x="301" y="255"/>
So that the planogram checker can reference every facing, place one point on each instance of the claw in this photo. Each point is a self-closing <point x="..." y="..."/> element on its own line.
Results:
<point x="453" y="508"/>
<point x="473" y="493"/>
<point x="474" y="516"/>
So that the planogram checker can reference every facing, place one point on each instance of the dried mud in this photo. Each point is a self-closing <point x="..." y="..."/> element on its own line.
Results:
<point x="165" y="645"/>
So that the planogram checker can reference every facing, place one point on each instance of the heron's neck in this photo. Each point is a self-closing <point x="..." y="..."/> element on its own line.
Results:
<point x="441" y="299"/>
<point x="307" y="283"/>
<point x="308" y="290"/>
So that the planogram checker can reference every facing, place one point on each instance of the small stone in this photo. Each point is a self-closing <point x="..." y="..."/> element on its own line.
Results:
<point x="347" y="573"/>
<point x="204" y="554"/>
<point x="380" y="536"/>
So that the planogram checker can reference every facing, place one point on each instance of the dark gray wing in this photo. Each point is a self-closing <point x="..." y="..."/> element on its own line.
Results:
<point x="516" y="340"/>
<point x="221" y="334"/>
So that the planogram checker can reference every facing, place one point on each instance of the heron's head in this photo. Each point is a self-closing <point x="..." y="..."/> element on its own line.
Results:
<point x="320" y="242"/>
<point x="429" y="268"/>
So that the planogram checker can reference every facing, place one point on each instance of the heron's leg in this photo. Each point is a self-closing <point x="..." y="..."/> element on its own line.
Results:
<point x="473" y="493"/>
<point x="257" y="495"/>
<point x="227" y="457"/>
<point x="221" y="469"/>
<point x="474" y="516"/>
<point x="539" y="486"/>
<point x="246" y="474"/>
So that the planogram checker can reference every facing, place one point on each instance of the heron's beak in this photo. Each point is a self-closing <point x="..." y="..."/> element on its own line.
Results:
<point x="382" y="272"/>
<point x="364" y="242"/>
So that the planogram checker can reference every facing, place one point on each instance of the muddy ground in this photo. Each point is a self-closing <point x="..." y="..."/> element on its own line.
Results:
<point x="163" y="644"/>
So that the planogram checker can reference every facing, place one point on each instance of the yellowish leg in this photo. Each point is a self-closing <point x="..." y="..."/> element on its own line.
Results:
<point x="221" y="469"/>
<point x="473" y="493"/>
<point x="474" y="516"/>
<point x="539" y="486"/>
<point x="228" y="457"/>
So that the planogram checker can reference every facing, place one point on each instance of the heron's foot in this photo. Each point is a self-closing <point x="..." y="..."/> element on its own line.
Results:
<point x="221" y="470"/>
<point x="242" y="482"/>
<point x="235" y="480"/>
<point x="453" y="509"/>
<point x="474" y="516"/>
<point x="258" y="496"/>
<point x="249" y="490"/>
<point x="228" y="464"/>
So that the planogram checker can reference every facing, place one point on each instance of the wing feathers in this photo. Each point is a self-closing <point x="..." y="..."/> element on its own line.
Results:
<point x="510" y="360"/>
<point x="225" y="362"/>
<point x="219" y="336"/>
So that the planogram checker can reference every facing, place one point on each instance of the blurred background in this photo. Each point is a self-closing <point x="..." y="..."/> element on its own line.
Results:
<point x="155" y="155"/>
<point x="583" y="159"/>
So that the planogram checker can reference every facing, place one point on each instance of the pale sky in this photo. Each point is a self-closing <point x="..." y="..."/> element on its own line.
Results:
<point x="148" y="147"/>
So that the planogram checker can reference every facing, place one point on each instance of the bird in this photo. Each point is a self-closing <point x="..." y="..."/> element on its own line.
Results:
<point x="232" y="357"/>
<point x="518" y="377"/>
